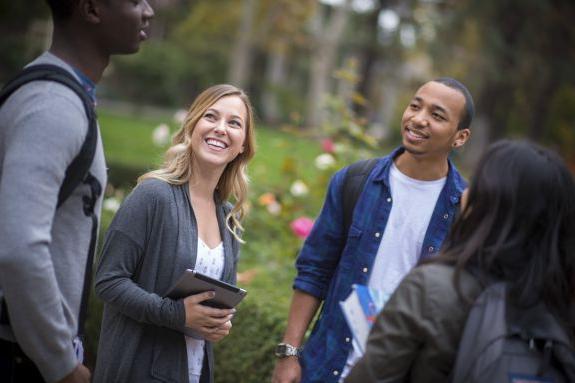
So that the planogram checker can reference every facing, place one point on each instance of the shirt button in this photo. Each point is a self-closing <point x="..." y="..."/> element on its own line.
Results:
<point x="388" y="199"/>
<point x="377" y="235"/>
<point x="365" y="269"/>
<point x="336" y="372"/>
<point x="445" y="216"/>
<point x="347" y="340"/>
<point x="430" y="249"/>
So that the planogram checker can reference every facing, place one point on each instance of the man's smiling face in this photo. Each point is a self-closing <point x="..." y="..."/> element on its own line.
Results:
<point x="429" y="125"/>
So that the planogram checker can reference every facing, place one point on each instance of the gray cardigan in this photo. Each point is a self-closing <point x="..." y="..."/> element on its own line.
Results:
<point x="151" y="241"/>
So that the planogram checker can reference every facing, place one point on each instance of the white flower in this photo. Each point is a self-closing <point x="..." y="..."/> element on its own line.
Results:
<point x="324" y="161"/>
<point x="274" y="208"/>
<point x="298" y="188"/>
<point x="161" y="135"/>
<point x="180" y="116"/>
<point x="111" y="204"/>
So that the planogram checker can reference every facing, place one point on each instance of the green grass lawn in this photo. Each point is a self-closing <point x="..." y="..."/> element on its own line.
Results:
<point x="128" y="140"/>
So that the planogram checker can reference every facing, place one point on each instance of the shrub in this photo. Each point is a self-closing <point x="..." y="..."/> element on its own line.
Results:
<point x="246" y="355"/>
<point x="156" y="76"/>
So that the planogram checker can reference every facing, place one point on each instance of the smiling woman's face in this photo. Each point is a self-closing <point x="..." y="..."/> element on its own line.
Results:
<point x="219" y="134"/>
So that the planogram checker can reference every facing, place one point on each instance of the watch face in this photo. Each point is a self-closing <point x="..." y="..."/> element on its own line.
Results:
<point x="281" y="350"/>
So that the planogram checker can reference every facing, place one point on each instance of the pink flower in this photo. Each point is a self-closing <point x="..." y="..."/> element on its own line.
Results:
<point x="301" y="226"/>
<point x="327" y="145"/>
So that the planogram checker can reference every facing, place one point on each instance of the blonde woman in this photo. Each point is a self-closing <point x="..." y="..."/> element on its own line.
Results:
<point x="177" y="218"/>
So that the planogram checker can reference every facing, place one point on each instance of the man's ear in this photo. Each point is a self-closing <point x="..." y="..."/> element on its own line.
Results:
<point x="90" y="11"/>
<point x="461" y="137"/>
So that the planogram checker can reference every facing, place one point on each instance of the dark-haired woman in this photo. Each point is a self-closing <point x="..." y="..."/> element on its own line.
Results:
<point x="517" y="226"/>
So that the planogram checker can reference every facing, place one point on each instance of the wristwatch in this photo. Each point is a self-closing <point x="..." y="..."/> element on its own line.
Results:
<point x="283" y="350"/>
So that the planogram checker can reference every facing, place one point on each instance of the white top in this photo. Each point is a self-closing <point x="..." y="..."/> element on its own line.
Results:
<point x="401" y="242"/>
<point x="209" y="262"/>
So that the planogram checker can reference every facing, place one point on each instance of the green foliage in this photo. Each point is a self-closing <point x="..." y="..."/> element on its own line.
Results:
<point x="246" y="355"/>
<point x="206" y="36"/>
<point x="18" y="45"/>
<point x="193" y="54"/>
<point x="157" y="75"/>
<point x="302" y="190"/>
<point x="515" y="67"/>
<point x="343" y="125"/>
<point x="562" y="131"/>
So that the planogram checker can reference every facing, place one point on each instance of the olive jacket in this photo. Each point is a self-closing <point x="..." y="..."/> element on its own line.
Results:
<point x="415" y="337"/>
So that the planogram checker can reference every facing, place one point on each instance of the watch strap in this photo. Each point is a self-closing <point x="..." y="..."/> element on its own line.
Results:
<point x="284" y="350"/>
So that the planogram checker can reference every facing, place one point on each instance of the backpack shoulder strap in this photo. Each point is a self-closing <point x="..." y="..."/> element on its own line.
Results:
<point x="353" y="184"/>
<point x="485" y="322"/>
<point x="78" y="168"/>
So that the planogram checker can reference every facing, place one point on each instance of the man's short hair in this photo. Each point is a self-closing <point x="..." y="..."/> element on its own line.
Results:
<point x="469" y="109"/>
<point x="62" y="9"/>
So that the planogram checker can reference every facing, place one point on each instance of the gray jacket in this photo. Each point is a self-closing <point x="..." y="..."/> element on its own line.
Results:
<point x="151" y="241"/>
<point x="43" y="251"/>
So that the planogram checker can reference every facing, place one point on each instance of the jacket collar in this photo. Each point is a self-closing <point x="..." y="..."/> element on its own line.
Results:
<point x="454" y="185"/>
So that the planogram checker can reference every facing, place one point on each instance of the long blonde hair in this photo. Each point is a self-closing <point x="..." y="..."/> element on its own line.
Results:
<point x="177" y="167"/>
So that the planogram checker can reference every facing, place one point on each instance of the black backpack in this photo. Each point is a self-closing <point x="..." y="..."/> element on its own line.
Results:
<point x="78" y="170"/>
<point x="353" y="184"/>
<point x="501" y="343"/>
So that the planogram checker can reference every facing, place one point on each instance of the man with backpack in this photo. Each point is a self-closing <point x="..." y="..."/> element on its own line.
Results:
<point x="378" y="220"/>
<point x="52" y="173"/>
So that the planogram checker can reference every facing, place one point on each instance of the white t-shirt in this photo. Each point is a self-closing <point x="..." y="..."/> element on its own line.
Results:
<point x="209" y="262"/>
<point x="400" y="246"/>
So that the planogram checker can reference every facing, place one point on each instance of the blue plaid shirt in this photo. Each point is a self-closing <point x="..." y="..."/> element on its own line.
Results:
<point x="330" y="263"/>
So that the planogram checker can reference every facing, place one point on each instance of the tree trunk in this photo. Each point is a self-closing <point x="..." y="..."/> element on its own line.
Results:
<point x="275" y="82"/>
<point x="497" y="96"/>
<point x="384" y="100"/>
<point x="371" y="56"/>
<point x="240" y="59"/>
<point x="541" y="105"/>
<point x="495" y="101"/>
<point x="322" y="62"/>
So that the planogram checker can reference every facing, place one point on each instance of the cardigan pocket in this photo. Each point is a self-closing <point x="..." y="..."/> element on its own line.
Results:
<point x="169" y="357"/>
